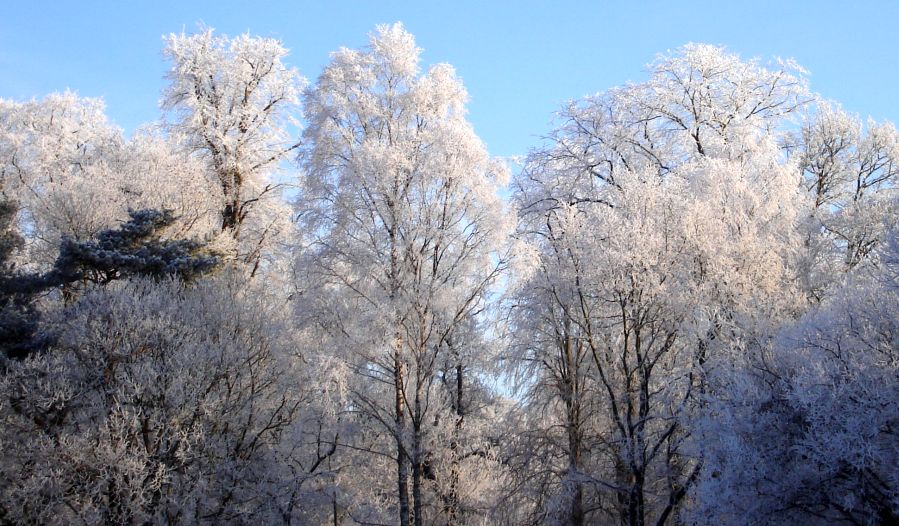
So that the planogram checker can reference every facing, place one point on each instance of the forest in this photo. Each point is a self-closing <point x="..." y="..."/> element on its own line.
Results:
<point x="323" y="302"/>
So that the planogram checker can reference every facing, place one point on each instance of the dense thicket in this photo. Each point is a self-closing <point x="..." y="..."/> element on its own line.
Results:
<point x="681" y="309"/>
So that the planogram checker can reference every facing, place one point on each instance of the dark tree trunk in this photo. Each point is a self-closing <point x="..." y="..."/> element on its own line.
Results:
<point x="402" y="467"/>
<point x="232" y="213"/>
<point x="416" y="473"/>
<point x="452" y="501"/>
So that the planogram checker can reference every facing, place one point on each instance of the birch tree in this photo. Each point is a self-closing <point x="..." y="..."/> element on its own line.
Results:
<point x="401" y="198"/>
<point x="665" y="219"/>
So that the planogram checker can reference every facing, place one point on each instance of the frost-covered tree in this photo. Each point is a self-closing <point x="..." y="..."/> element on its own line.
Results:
<point x="153" y="172"/>
<point x="808" y="430"/>
<point x="133" y="249"/>
<point x="850" y="170"/>
<point x="18" y="315"/>
<point x="54" y="163"/>
<point x="400" y="201"/>
<point x="664" y="218"/>
<point x="231" y="100"/>
<point x="699" y="276"/>
<point x="160" y="403"/>
<point x="74" y="175"/>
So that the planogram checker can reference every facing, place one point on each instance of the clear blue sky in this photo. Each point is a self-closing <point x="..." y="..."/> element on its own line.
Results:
<point x="519" y="60"/>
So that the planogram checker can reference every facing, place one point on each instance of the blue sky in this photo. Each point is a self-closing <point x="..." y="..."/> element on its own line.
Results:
<point x="519" y="60"/>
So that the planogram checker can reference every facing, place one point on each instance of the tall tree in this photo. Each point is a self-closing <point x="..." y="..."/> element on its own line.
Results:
<point x="55" y="154"/>
<point x="654" y="210"/>
<point x="401" y="199"/>
<point x="232" y="99"/>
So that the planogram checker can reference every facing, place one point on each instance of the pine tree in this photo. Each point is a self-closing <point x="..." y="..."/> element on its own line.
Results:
<point x="134" y="249"/>
<point x="18" y="317"/>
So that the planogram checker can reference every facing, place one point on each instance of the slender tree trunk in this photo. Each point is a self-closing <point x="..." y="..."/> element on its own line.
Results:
<point x="416" y="464"/>
<point x="621" y="480"/>
<point x="402" y="467"/>
<point x="576" y="511"/>
<point x="333" y="490"/>
<point x="577" y="505"/>
<point x="334" y="508"/>
<point x="635" y="504"/>
<point x="402" y="460"/>
<point x="452" y="505"/>
<point x="572" y="426"/>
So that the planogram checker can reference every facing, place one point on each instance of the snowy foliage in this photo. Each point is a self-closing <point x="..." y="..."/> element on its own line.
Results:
<point x="808" y="432"/>
<point x="74" y="175"/>
<point x="666" y="220"/>
<point x="160" y="404"/>
<point x="54" y="154"/>
<point x="851" y="171"/>
<point x="230" y="101"/>
<point x="406" y="236"/>
<point x="683" y="311"/>
<point x="134" y="249"/>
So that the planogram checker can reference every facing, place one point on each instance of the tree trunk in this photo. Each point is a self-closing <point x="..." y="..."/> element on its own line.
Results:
<point x="577" y="505"/>
<point x="635" y="505"/>
<point x="231" y="218"/>
<point x="416" y="472"/>
<point x="402" y="468"/>
<point x="576" y="511"/>
<point x="231" y="214"/>
<point x="572" y="426"/>
<point x="452" y="504"/>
